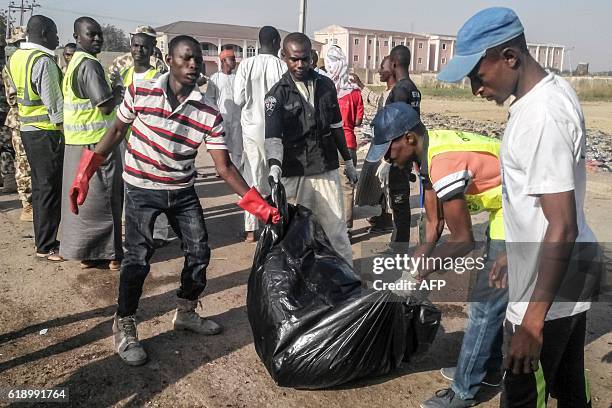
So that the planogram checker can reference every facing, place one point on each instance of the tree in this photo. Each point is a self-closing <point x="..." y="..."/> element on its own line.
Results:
<point x="115" y="39"/>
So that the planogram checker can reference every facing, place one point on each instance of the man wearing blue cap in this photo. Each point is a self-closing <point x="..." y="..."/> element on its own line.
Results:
<point x="544" y="182"/>
<point x="461" y="176"/>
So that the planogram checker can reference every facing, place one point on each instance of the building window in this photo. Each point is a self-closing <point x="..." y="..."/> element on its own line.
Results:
<point x="356" y="41"/>
<point x="250" y="51"/>
<point x="355" y="58"/>
<point x="444" y="60"/>
<point x="557" y="52"/>
<point x="386" y="43"/>
<point x="420" y="46"/>
<point x="377" y="43"/>
<point x="326" y="41"/>
<point x="369" y="42"/>
<point x="420" y="61"/>
<point x="443" y="46"/>
<point x="369" y="57"/>
<point x="335" y="41"/>
<point x="393" y="43"/>
<point x="402" y="43"/>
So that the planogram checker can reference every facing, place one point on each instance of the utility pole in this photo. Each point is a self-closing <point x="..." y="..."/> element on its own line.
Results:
<point x="23" y="8"/>
<point x="302" y="22"/>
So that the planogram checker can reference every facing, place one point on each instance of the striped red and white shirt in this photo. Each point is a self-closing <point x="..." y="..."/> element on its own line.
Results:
<point x="163" y="145"/>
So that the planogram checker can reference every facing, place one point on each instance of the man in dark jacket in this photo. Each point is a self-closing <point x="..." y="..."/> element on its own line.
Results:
<point x="303" y="137"/>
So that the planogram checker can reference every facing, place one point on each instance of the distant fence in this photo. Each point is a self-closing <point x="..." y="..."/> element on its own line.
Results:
<point x="428" y="79"/>
<point x="587" y="87"/>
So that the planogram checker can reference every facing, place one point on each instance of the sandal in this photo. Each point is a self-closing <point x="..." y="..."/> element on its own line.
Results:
<point x="52" y="256"/>
<point x="250" y="237"/>
<point x="88" y="264"/>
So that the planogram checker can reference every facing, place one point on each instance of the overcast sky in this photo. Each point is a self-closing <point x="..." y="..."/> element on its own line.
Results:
<point x="584" y="25"/>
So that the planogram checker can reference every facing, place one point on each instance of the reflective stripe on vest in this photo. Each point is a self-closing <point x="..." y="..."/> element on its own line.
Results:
<point x="83" y="122"/>
<point x="31" y="108"/>
<point x="445" y="141"/>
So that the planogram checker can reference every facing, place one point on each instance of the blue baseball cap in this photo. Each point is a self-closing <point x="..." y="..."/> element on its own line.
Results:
<point x="393" y="121"/>
<point x="486" y="29"/>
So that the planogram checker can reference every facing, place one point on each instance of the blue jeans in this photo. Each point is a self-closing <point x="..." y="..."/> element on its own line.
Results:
<point x="184" y="212"/>
<point x="481" y="350"/>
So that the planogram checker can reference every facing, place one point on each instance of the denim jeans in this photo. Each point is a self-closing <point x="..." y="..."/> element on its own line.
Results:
<point x="184" y="212"/>
<point x="481" y="350"/>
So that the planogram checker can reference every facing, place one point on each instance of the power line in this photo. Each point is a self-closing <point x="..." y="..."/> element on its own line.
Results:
<point x="22" y="9"/>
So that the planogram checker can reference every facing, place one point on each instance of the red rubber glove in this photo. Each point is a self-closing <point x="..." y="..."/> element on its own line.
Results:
<point x="254" y="203"/>
<point x="90" y="161"/>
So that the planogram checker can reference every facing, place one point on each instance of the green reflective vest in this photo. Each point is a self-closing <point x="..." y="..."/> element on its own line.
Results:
<point x="127" y="75"/>
<point x="444" y="141"/>
<point x="32" y="111"/>
<point x="83" y="123"/>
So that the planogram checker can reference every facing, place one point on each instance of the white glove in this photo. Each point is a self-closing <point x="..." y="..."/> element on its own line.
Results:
<point x="383" y="173"/>
<point x="275" y="173"/>
<point x="351" y="172"/>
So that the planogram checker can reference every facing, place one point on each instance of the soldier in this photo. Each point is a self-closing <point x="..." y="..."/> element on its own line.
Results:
<point x="7" y="154"/>
<point x="22" y="167"/>
<point x="125" y="61"/>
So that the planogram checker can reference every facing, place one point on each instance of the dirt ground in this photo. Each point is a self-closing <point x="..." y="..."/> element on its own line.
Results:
<point x="597" y="114"/>
<point x="55" y="324"/>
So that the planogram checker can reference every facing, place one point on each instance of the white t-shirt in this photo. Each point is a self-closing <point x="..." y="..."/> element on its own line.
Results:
<point x="543" y="152"/>
<point x="254" y="78"/>
<point x="139" y="76"/>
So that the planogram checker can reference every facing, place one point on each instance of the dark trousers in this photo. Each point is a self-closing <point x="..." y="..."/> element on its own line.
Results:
<point x="399" y="196"/>
<point x="45" y="152"/>
<point x="184" y="212"/>
<point x="561" y="373"/>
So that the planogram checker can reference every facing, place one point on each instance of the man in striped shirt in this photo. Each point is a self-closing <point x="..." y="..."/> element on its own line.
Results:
<point x="169" y="120"/>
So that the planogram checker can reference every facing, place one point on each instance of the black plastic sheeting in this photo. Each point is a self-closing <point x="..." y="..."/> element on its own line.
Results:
<point x="313" y="324"/>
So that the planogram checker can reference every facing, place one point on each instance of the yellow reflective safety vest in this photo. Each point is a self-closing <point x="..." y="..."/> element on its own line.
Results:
<point x="32" y="111"/>
<point x="83" y="123"/>
<point x="445" y="141"/>
<point x="127" y="78"/>
<point x="127" y="75"/>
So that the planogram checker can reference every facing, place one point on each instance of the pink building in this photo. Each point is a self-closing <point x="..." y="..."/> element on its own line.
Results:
<point x="365" y="48"/>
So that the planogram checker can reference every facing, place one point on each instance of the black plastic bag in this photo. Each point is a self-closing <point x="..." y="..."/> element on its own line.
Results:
<point x="313" y="324"/>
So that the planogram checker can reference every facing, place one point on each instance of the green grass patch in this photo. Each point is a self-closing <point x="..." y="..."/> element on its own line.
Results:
<point x="601" y="94"/>
<point x="447" y="92"/>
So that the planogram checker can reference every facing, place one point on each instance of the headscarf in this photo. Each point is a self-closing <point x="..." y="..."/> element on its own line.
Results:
<point x="226" y="53"/>
<point x="337" y="70"/>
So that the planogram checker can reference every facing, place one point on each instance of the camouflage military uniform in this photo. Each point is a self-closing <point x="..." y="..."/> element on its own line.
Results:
<point x="22" y="167"/>
<point x="126" y="61"/>
<point x="7" y="154"/>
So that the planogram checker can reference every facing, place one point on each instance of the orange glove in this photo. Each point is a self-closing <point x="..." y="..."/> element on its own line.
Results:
<point x="254" y="203"/>
<point x="90" y="161"/>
